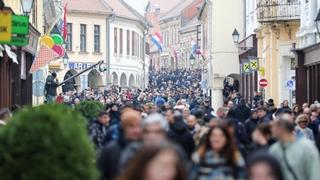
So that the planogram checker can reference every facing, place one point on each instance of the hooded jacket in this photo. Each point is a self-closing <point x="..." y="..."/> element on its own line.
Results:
<point x="180" y="134"/>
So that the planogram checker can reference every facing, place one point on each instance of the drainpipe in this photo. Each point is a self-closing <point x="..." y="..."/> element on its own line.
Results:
<point x="110" y="19"/>
<point x="108" y="51"/>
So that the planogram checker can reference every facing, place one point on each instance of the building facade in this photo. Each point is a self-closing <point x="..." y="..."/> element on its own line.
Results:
<point x="128" y="59"/>
<point x="248" y="54"/>
<point x="109" y="31"/>
<point x="179" y="28"/>
<point x="15" y="62"/>
<point x="86" y="25"/>
<point x="280" y="21"/>
<point x="307" y="53"/>
<point x="222" y="54"/>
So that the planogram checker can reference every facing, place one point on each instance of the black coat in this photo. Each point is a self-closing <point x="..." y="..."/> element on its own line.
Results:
<point x="180" y="134"/>
<point x="109" y="158"/>
<point x="51" y="86"/>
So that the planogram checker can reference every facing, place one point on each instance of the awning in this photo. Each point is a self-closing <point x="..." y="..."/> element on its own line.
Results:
<point x="11" y="54"/>
<point x="1" y="49"/>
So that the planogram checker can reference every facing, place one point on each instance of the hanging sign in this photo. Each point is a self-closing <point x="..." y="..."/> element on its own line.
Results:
<point x="246" y="67"/>
<point x="20" y="24"/>
<point x="254" y="65"/>
<point x="5" y="26"/>
<point x="262" y="71"/>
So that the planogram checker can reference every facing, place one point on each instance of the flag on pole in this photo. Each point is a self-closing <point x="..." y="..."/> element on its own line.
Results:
<point x="65" y="28"/>
<point x="157" y="40"/>
<point x="44" y="56"/>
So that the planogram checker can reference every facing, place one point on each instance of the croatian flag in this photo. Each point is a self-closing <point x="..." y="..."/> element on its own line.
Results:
<point x="157" y="40"/>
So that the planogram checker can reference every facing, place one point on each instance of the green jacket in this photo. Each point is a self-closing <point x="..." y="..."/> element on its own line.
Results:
<point x="303" y="157"/>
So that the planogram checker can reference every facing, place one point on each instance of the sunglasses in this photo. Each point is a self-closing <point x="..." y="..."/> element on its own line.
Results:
<point x="303" y="122"/>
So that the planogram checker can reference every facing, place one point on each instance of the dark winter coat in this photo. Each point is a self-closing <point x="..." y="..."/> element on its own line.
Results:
<point x="180" y="134"/>
<point x="109" y="158"/>
<point x="51" y="86"/>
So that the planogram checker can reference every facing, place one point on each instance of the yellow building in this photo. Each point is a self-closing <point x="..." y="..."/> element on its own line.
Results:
<point x="279" y="23"/>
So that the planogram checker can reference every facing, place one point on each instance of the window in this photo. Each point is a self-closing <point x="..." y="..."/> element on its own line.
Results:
<point x="133" y="39"/>
<point x="136" y="40"/>
<point x="115" y="40"/>
<point x="121" y="41"/>
<point x="128" y="42"/>
<point x="96" y="38"/>
<point x="83" y="38"/>
<point x="69" y="37"/>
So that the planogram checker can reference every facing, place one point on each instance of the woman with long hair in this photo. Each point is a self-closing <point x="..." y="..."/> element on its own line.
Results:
<point x="156" y="162"/>
<point x="218" y="157"/>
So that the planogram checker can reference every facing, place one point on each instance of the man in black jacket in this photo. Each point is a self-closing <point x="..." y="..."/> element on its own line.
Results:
<point x="109" y="159"/>
<point x="180" y="134"/>
<point x="51" y="87"/>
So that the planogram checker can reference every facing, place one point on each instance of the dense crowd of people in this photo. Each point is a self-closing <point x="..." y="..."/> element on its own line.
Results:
<point x="170" y="132"/>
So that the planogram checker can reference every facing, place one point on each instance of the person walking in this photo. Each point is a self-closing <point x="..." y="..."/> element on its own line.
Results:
<point x="301" y="130"/>
<point x="51" y="87"/>
<point x="218" y="157"/>
<point x="98" y="129"/>
<point x="109" y="158"/>
<point x="5" y="115"/>
<point x="299" y="157"/>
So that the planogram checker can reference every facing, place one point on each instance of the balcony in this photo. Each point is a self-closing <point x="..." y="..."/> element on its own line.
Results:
<point x="278" y="10"/>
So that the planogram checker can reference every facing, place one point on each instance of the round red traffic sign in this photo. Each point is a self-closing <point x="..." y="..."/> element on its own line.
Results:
<point x="263" y="83"/>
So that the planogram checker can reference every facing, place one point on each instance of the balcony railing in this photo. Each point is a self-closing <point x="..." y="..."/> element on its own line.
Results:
<point x="278" y="10"/>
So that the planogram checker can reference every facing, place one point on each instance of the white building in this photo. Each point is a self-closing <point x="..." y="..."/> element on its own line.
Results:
<point x="221" y="18"/>
<point x="308" y="31"/>
<point x="110" y="31"/>
<point x="128" y="61"/>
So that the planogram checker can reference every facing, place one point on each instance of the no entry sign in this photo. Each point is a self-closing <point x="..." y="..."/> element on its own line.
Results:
<point x="263" y="83"/>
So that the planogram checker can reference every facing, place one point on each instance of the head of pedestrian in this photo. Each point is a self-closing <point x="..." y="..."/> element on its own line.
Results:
<point x="305" y="105"/>
<point x="131" y="124"/>
<point x="154" y="129"/>
<point x="263" y="166"/>
<point x="283" y="127"/>
<point x="254" y="113"/>
<point x="220" y="141"/>
<point x="192" y="121"/>
<point x="169" y="115"/>
<point x="157" y="162"/>
<point x="104" y="118"/>
<point x="302" y="121"/>
<point x="230" y="104"/>
<point x="54" y="74"/>
<point x="285" y="103"/>
<point x="262" y="135"/>
<point x="5" y="115"/>
<point x="262" y="112"/>
<point x="185" y="113"/>
<point x="221" y="113"/>
<point x="307" y="112"/>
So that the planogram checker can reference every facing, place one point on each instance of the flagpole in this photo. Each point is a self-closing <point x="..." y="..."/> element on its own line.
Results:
<point x="55" y="22"/>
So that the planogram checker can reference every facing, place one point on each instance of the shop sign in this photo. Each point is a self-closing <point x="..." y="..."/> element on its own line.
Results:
<point x="16" y="27"/>
<point x="254" y="64"/>
<point x="79" y="66"/>
<point x="17" y="41"/>
<point x="5" y="26"/>
<point x="20" y="24"/>
<point x="246" y="67"/>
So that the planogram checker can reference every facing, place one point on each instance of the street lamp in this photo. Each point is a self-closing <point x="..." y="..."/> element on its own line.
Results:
<point x="192" y="59"/>
<point x="65" y="60"/>
<point x="235" y="36"/>
<point x="27" y="6"/>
